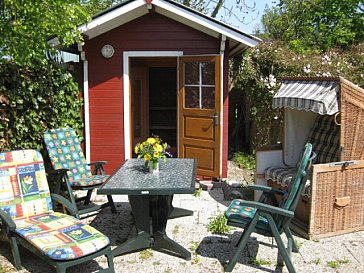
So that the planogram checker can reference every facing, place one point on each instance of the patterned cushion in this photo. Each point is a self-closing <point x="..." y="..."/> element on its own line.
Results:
<point x="238" y="213"/>
<point x="60" y="236"/>
<point x="65" y="152"/>
<point x="324" y="137"/>
<point x="23" y="184"/>
<point x="283" y="177"/>
<point x="88" y="181"/>
<point x="25" y="197"/>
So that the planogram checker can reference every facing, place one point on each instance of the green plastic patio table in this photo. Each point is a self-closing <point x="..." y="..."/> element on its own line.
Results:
<point x="150" y="197"/>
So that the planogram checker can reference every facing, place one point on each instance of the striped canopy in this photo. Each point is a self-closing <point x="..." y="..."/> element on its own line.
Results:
<point x="319" y="96"/>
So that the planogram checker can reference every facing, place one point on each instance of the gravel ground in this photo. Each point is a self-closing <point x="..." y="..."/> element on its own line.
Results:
<point x="339" y="254"/>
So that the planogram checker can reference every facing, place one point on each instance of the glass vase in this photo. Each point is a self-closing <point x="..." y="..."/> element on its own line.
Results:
<point x="154" y="167"/>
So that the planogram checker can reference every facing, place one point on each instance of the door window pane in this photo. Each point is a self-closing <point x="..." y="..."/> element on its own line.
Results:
<point x="192" y="73"/>
<point x="208" y="98"/>
<point x="208" y="73"/>
<point x="191" y="97"/>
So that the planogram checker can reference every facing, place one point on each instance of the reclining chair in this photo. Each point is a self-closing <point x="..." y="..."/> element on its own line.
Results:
<point x="27" y="217"/>
<point x="270" y="220"/>
<point x="71" y="171"/>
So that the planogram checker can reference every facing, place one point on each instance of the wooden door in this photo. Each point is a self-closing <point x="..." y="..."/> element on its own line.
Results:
<point x="199" y="112"/>
<point x="139" y="105"/>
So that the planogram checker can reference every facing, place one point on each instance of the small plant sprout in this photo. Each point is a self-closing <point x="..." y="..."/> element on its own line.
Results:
<point x="218" y="225"/>
<point x="197" y="192"/>
<point x="317" y="261"/>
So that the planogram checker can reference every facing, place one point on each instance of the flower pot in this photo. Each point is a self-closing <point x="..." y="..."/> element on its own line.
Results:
<point x="153" y="167"/>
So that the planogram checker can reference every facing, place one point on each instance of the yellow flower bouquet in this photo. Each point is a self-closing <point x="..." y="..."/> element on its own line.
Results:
<point x="152" y="150"/>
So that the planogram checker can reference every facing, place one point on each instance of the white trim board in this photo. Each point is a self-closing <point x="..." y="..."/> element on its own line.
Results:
<point x="126" y="88"/>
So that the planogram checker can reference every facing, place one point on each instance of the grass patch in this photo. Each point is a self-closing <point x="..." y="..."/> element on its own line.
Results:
<point x="260" y="262"/>
<point x="145" y="254"/>
<point x="337" y="263"/>
<point x="218" y="225"/>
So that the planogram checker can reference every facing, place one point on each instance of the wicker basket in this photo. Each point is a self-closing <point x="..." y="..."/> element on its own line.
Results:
<point x="336" y="202"/>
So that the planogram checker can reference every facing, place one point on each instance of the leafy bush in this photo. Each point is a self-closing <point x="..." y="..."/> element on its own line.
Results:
<point x="34" y="98"/>
<point x="245" y="160"/>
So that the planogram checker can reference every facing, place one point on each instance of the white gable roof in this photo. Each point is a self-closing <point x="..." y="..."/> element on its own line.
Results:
<point x="131" y="10"/>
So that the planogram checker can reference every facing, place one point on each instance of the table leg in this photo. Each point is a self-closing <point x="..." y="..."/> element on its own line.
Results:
<point x="160" y="210"/>
<point x="151" y="215"/>
<point x="178" y="212"/>
<point x="140" y="208"/>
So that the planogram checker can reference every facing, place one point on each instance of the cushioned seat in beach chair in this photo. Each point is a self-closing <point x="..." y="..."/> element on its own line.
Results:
<point x="269" y="220"/>
<point x="28" y="219"/>
<point x="71" y="169"/>
<point x="324" y="137"/>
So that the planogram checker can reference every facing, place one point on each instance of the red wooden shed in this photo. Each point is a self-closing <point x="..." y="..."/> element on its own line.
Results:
<point x="158" y="67"/>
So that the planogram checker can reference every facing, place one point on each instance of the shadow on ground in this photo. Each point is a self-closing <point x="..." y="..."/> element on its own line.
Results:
<point x="224" y="248"/>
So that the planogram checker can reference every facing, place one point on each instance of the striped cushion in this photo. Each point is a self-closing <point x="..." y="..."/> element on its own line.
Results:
<point x="324" y="137"/>
<point x="283" y="177"/>
<point x="238" y="213"/>
<point x="65" y="152"/>
<point x="60" y="236"/>
<point x="23" y="184"/>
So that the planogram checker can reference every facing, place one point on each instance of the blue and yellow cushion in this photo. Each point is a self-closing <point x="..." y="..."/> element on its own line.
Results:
<point x="60" y="236"/>
<point x="25" y="197"/>
<point x="23" y="184"/>
<point x="238" y="213"/>
<point x="65" y="152"/>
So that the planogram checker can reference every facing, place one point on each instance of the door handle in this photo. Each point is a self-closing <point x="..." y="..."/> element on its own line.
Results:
<point x="216" y="118"/>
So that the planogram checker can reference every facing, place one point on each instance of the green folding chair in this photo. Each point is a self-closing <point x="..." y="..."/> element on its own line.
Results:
<point x="71" y="171"/>
<point x="265" y="218"/>
<point x="27" y="217"/>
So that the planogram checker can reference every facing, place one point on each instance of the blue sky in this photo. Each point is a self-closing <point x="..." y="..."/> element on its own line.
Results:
<point x="252" y="19"/>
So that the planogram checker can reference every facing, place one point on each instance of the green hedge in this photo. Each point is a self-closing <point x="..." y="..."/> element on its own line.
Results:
<point x="33" y="99"/>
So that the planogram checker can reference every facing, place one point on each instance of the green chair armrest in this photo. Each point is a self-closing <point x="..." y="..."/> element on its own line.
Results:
<point x="265" y="189"/>
<point x="97" y="163"/>
<point x="98" y="169"/>
<point x="7" y="223"/>
<point x="65" y="203"/>
<point x="267" y="208"/>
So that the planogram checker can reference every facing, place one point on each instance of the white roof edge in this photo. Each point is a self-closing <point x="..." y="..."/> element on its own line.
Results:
<point x="235" y="35"/>
<point x="111" y="15"/>
<point x="94" y="28"/>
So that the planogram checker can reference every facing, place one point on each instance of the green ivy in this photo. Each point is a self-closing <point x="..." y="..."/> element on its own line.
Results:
<point x="34" y="98"/>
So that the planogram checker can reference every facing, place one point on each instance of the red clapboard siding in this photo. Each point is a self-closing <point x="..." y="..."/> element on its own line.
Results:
<point x="152" y="32"/>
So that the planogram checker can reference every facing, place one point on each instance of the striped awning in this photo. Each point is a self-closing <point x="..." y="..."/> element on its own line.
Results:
<point x="319" y="96"/>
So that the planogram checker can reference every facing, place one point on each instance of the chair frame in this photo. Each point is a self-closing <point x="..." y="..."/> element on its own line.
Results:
<point x="61" y="182"/>
<point x="8" y="227"/>
<point x="278" y="218"/>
